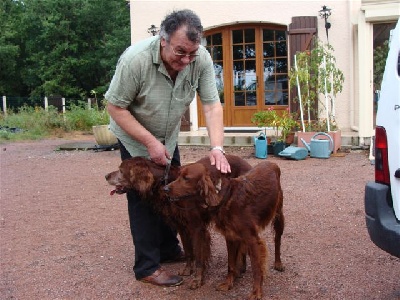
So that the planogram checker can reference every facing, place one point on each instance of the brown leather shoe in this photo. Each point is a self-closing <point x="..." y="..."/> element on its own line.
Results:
<point x="162" y="278"/>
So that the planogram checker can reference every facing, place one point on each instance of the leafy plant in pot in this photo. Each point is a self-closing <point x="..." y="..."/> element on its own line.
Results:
<point x="282" y="122"/>
<point x="318" y="81"/>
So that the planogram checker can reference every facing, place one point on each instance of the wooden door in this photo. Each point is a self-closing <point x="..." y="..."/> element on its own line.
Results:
<point x="251" y="67"/>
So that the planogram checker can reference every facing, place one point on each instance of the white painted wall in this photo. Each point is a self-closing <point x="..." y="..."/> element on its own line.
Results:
<point x="354" y="104"/>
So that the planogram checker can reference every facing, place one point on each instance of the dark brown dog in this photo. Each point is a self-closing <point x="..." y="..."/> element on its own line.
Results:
<point x="188" y="215"/>
<point x="244" y="207"/>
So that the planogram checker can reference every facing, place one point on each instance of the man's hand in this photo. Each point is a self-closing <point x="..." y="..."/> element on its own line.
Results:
<point x="218" y="159"/>
<point x="158" y="153"/>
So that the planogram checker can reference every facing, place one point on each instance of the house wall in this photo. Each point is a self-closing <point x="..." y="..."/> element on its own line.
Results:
<point x="351" y="114"/>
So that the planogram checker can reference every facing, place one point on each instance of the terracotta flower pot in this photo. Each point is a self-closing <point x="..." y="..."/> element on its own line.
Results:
<point x="335" y="135"/>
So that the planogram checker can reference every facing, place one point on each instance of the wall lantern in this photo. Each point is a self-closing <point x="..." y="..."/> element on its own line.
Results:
<point x="152" y="29"/>
<point x="324" y="13"/>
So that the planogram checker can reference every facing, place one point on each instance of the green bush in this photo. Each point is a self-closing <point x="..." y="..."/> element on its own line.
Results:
<point x="33" y="123"/>
<point x="78" y="117"/>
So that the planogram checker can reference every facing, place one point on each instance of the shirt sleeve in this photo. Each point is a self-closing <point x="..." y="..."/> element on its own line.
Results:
<point x="124" y="84"/>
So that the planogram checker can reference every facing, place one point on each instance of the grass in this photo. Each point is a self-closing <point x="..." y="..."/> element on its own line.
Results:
<point x="33" y="123"/>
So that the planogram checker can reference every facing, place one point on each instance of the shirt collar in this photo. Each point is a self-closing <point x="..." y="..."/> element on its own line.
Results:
<point x="155" y="50"/>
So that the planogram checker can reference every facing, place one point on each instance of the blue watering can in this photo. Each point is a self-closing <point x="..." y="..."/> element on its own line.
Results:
<point x="319" y="148"/>
<point x="260" y="143"/>
<point x="296" y="153"/>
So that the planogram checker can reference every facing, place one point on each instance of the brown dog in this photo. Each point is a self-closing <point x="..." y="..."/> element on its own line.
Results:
<point x="244" y="206"/>
<point x="188" y="215"/>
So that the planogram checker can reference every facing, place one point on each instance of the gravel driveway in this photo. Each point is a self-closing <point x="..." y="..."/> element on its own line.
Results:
<point x="64" y="237"/>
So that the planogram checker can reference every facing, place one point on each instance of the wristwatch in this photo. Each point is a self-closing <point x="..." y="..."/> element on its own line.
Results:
<point x="220" y="148"/>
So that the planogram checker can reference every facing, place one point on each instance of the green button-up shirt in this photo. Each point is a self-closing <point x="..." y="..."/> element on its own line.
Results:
<point x="142" y="85"/>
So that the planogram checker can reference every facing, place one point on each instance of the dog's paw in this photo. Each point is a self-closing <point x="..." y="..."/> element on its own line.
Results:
<point x="254" y="296"/>
<point x="279" y="267"/>
<point x="185" y="271"/>
<point x="195" y="283"/>
<point x="224" y="286"/>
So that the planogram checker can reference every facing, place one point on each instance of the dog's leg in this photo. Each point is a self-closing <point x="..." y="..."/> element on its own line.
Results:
<point x="241" y="259"/>
<point x="233" y="248"/>
<point x="279" y="225"/>
<point x="202" y="254"/>
<point x="187" y="244"/>
<point x="258" y="255"/>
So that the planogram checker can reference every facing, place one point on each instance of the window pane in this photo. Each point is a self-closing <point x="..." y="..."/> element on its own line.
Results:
<point x="251" y="98"/>
<point x="268" y="50"/>
<point x="250" y="51"/>
<point x="251" y="76"/>
<point x="217" y="39"/>
<point x="284" y="80"/>
<point x="239" y="99"/>
<point x="237" y="36"/>
<point x="268" y="35"/>
<point x="281" y="49"/>
<point x="219" y="79"/>
<point x="208" y="40"/>
<point x="249" y="36"/>
<point x="281" y="65"/>
<point x="269" y="65"/>
<point x="238" y="75"/>
<point x="238" y="52"/>
<point x="217" y="53"/>
<point x="280" y="35"/>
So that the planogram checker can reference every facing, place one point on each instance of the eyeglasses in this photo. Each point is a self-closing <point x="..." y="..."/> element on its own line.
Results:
<point x="182" y="54"/>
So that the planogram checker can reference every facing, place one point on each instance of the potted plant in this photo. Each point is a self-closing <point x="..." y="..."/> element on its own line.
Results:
<point x="101" y="131"/>
<point x="282" y="122"/>
<point x="318" y="81"/>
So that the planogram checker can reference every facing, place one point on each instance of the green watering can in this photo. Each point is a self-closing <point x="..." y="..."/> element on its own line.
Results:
<point x="319" y="148"/>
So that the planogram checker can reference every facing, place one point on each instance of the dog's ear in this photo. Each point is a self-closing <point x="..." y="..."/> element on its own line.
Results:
<point x="208" y="191"/>
<point x="141" y="179"/>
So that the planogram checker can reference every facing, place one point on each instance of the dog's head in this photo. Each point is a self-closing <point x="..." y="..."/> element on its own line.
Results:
<point x="133" y="174"/>
<point x="194" y="180"/>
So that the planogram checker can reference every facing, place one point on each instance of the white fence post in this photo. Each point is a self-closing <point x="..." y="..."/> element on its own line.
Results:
<point x="63" y="108"/>
<point x="5" y="105"/>
<point x="46" y="104"/>
<point x="63" y="105"/>
<point x="89" y="102"/>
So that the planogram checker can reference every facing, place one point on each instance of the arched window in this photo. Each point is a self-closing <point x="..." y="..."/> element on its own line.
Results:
<point x="251" y="69"/>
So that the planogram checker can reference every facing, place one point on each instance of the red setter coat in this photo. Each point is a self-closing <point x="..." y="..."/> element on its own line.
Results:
<point x="242" y="207"/>
<point x="189" y="215"/>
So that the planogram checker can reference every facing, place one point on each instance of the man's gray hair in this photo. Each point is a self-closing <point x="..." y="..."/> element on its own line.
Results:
<point x="176" y="19"/>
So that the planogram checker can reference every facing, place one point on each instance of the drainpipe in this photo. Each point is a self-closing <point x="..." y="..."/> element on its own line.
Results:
<point x="365" y="90"/>
<point x="352" y="63"/>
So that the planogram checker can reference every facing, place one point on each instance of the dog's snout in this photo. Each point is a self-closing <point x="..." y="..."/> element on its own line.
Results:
<point x="166" y="188"/>
<point x="108" y="176"/>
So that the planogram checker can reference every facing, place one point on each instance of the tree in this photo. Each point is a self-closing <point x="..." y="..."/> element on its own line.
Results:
<point x="315" y="73"/>
<point x="66" y="47"/>
<point x="9" y="47"/>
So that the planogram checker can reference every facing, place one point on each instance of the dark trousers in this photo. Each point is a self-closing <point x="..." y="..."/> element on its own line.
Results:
<point x="153" y="239"/>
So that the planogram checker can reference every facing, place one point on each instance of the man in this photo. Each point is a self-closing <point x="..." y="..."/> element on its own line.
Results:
<point x="154" y="83"/>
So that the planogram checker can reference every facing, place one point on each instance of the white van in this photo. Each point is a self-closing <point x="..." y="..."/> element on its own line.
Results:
<point x="382" y="196"/>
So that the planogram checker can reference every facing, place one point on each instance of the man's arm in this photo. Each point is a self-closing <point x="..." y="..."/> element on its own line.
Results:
<point x="214" y="120"/>
<point x="131" y="126"/>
